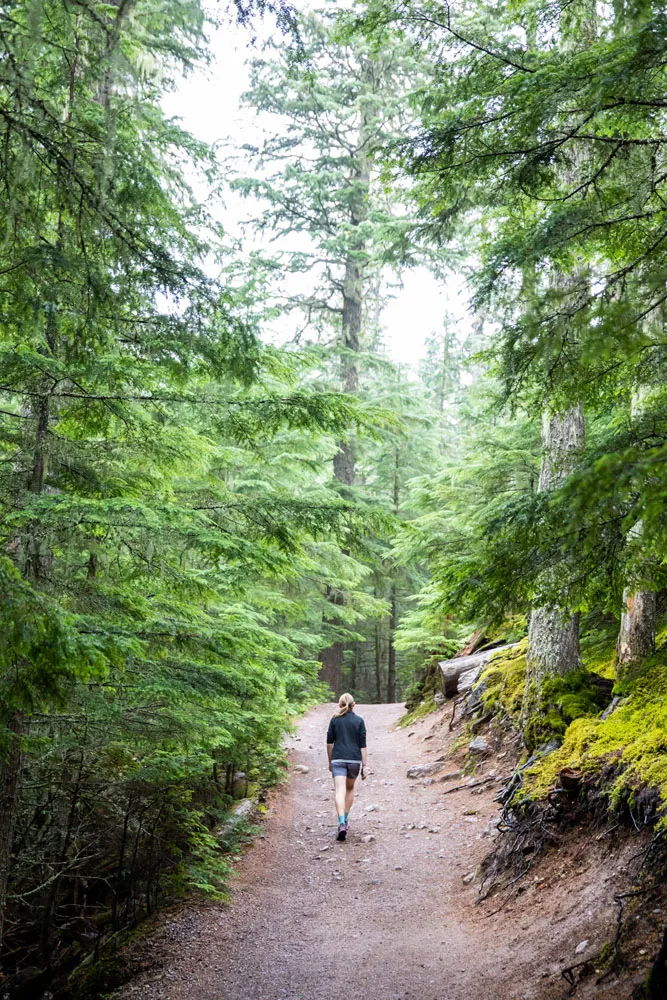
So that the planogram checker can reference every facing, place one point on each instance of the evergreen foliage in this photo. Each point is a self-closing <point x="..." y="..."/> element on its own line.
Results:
<point x="198" y="526"/>
<point x="167" y="542"/>
<point x="543" y="132"/>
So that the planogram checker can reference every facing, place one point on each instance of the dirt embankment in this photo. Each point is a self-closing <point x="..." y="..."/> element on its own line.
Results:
<point x="392" y="912"/>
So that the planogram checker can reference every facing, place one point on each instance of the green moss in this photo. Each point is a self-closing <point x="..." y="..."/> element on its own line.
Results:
<point x="422" y="709"/>
<point x="504" y="681"/>
<point x="561" y="700"/>
<point x="634" y="738"/>
<point x="598" y="651"/>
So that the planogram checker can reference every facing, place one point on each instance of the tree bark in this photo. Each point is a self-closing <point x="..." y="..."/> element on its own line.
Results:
<point x="331" y="671"/>
<point x="636" y="635"/>
<point x="553" y="635"/>
<point x="378" y="664"/>
<point x="391" y="658"/>
<point x="354" y="668"/>
<point x="353" y="298"/>
<point x="393" y="609"/>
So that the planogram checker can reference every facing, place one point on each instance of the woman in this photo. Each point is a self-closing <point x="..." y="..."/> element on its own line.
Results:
<point x="346" y="749"/>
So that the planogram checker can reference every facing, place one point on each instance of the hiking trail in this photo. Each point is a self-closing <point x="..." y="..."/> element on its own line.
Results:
<point x="387" y="914"/>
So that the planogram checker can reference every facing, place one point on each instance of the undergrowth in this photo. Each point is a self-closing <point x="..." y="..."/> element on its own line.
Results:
<point x="419" y="711"/>
<point x="633" y="739"/>
<point x="624" y="755"/>
<point x="562" y="699"/>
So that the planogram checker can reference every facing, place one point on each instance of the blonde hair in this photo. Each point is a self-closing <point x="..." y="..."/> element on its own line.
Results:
<point x="345" y="704"/>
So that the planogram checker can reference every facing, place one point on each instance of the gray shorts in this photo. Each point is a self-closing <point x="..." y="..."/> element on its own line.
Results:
<point x="345" y="768"/>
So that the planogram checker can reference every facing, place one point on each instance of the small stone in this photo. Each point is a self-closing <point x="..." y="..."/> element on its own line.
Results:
<point x="479" y="745"/>
<point x="301" y="769"/>
<point x="370" y="809"/>
<point x="581" y="947"/>
<point x="470" y="877"/>
<point x="399" y="868"/>
<point x="434" y="829"/>
<point x="368" y="839"/>
<point x="421" y="826"/>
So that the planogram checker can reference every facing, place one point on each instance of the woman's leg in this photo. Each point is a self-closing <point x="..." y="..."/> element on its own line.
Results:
<point x="340" y="782"/>
<point x="349" y="793"/>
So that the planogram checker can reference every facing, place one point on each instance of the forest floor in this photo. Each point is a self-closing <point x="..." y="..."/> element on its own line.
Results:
<point x="387" y="914"/>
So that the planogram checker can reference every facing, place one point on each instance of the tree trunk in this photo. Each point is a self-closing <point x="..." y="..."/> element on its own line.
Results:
<point x="636" y="636"/>
<point x="10" y="794"/>
<point x="331" y="671"/>
<point x="37" y="559"/>
<point x="353" y="302"/>
<point x="378" y="664"/>
<point x="353" y="299"/>
<point x="553" y="636"/>
<point x="331" y="658"/>
<point x="354" y="669"/>
<point x="391" y="658"/>
<point x="393" y="612"/>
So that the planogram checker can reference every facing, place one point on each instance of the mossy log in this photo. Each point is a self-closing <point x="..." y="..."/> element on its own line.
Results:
<point x="453" y="669"/>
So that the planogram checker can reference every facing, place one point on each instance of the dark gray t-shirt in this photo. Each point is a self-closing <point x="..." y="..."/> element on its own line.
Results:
<point x="348" y="735"/>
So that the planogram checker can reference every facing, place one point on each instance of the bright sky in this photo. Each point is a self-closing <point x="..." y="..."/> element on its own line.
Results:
<point x="208" y="103"/>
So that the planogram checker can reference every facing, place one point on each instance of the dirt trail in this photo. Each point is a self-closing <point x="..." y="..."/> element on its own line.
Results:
<point x="380" y="919"/>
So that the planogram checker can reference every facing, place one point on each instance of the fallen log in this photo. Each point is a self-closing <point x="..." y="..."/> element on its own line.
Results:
<point x="469" y="665"/>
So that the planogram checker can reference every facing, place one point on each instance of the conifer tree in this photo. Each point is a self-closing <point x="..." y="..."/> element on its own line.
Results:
<point x="335" y="105"/>
<point x="161" y="568"/>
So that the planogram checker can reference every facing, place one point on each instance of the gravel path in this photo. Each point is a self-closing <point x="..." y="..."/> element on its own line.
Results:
<point x="385" y="915"/>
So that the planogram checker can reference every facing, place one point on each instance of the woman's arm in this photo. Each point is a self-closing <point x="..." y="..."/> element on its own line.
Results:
<point x="362" y="747"/>
<point x="331" y="737"/>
